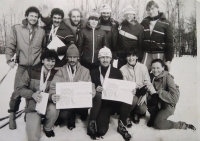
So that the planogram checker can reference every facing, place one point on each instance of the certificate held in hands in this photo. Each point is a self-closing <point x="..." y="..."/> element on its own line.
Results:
<point x="42" y="106"/>
<point x="118" y="90"/>
<point x="55" y="43"/>
<point x="74" y="95"/>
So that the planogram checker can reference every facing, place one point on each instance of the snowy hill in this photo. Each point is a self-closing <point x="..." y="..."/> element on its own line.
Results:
<point x="183" y="69"/>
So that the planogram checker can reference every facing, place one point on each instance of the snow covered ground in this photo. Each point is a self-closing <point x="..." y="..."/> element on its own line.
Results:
<point x="184" y="70"/>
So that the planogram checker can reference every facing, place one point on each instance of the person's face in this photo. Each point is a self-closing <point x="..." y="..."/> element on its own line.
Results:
<point x="129" y="17"/>
<point x="132" y="59"/>
<point x="49" y="63"/>
<point x="32" y="18"/>
<point x="156" y="68"/>
<point x="106" y="16"/>
<point x="105" y="61"/>
<point x="75" y="17"/>
<point x="93" y="23"/>
<point x="57" y="19"/>
<point x="72" y="60"/>
<point x="152" y="11"/>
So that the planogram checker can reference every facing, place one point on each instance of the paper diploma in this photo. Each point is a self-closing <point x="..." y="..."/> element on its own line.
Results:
<point x="55" y="43"/>
<point x="42" y="106"/>
<point x="118" y="90"/>
<point x="74" y="95"/>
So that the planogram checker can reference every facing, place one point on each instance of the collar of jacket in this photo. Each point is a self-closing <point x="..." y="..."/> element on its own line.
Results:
<point x="77" y="66"/>
<point x="163" y="73"/>
<point x="160" y="15"/>
<point x="25" y="24"/>
<point x="111" y="20"/>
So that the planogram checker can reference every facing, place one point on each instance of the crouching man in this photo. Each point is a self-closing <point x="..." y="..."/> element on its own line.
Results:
<point x="71" y="72"/>
<point x="32" y="83"/>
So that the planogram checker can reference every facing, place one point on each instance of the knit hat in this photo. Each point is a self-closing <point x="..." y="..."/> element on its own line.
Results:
<point x="94" y="14"/>
<point x="72" y="51"/>
<point x="105" y="8"/>
<point x="105" y="52"/>
<point x="129" y="10"/>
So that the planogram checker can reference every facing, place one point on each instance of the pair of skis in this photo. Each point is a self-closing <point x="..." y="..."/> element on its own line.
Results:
<point x="18" y="114"/>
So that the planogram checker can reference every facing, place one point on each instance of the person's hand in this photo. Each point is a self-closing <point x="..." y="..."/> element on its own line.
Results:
<point x="150" y="89"/>
<point x="55" y="98"/>
<point x="12" y="64"/>
<point x="168" y="65"/>
<point x="141" y="100"/>
<point x="134" y="91"/>
<point x="37" y="96"/>
<point x="190" y="126"/>
<point x="99" y="89"/>
<point x="93" y="90"/>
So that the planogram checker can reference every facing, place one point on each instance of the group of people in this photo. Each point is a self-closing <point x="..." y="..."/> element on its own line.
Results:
<point x="143" y="53"/>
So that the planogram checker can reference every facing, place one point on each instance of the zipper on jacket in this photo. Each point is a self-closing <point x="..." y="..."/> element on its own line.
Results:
<point x="93" y="45"/>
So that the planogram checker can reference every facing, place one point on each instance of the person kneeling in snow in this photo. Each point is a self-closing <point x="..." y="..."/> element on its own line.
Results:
<point x="162" y="104"/>
<point x="138" y="73"/>
<point x="32" y="83"/>
<point x="71" y="72"/>
<point x="102" y="109"/>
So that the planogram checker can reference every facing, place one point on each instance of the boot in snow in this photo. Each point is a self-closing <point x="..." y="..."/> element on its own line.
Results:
<point x="92" y="129"/>
<point x="122" y="130"/>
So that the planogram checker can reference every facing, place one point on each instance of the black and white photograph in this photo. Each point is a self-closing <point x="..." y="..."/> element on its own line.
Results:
<point x="110" y="70"/>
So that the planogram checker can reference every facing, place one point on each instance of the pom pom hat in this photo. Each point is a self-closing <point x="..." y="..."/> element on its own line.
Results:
<point x="105" y="52"/>
<point x="129" y="10"/>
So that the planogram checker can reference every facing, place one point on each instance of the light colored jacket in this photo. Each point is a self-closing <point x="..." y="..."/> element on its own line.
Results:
<point x="82" y="74"/>
<point x="29" y="51"/>
<point x="139" y="74"/>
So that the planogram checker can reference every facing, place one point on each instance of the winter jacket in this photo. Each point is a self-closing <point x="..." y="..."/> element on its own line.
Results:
<point x="75" y="29"/>
<point x="90" y="41"/>
<point x="29" y="84"/>
<point x="161" y="39"/>
<point x="139" y="74"/>
<point x="65" y="34"/>
<point x="167" y="90"/>
<point x="82" y="74"/>
<point x="130" y="36"/>
<point x="29" y="51"/>
<point x="111" y="29"/>
<point x="114" y="74"/>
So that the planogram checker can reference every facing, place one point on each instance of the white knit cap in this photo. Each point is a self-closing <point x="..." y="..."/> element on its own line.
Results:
<point x="105" y="8"/>
<point x="105" y="52"/>
<point x="129" y="10"/>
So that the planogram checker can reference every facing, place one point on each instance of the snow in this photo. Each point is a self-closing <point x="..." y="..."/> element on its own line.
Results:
<point x="183" y="69"/>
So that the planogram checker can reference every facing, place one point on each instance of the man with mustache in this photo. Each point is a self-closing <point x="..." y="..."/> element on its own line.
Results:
<point x="71" y="72"/>
<point x="59" y="29"/>
<point x="27" y="40"/>
<point x="75" y="21"/>
<point x="102" y="109"/>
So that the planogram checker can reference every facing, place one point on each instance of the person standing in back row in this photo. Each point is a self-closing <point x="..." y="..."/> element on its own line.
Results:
<point x="158" y="37"/>
<point x="28" y="41"/>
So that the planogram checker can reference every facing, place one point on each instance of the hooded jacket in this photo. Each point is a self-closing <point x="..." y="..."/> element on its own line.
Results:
<point x="28" y="51"/>
<point x="29" y="84"/>
<point x="90" y="41"/>
<point x="82" y="74"/>
<point x="167" y="90"/>
<point x="161" y="39"/>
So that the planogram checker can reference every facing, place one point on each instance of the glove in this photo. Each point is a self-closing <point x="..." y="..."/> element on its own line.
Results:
<point x="142" y="91"/>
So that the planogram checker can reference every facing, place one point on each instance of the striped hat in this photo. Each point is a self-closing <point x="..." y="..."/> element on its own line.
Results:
<point x="105" y="51"/>
<point x="105" y="8"/>
<point x="129" y="10"/>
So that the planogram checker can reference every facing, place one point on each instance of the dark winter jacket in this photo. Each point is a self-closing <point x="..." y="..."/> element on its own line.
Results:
<point x="134" y="41"/>
<point x="167" y="90"/>
<point x="28" y="51"/>
<point x="90" y="41"/>
<point x="161" y="39"/>
<point x="29" y="84"/>
<point x="111" y="29"/>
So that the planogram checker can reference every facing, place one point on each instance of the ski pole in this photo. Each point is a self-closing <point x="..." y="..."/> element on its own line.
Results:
<point x="8" y="116"/>
<point x="5" y="76"/>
